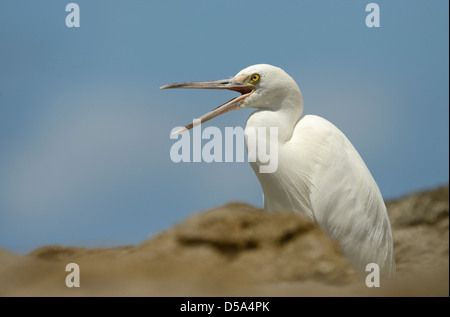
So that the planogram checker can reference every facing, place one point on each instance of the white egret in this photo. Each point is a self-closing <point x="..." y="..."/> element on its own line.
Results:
<point x="319" y="175"/>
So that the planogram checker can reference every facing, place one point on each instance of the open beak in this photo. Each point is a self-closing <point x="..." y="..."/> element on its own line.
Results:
<point x="237" y="84"/>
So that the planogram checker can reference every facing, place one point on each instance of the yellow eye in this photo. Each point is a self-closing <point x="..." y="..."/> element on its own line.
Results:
<point x="255" y="78"/>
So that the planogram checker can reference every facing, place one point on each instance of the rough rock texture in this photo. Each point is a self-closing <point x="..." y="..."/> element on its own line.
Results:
<point x="237" y="250"/>
<point x="420" y="230"/>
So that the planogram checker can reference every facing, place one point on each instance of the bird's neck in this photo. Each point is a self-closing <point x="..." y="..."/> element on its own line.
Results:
<point x="284" y="119"/>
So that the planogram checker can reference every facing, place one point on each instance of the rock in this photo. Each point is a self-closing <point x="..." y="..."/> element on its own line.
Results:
<point x="239" y="250"/>
<point x="421" y="231"/>
<point x="427" y="207"/>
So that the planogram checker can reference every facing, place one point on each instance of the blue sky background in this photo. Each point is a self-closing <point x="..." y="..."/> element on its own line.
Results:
<point x="84" y="128"/>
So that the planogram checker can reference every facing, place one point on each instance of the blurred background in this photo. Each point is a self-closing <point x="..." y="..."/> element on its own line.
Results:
<point x="85" y="130"/>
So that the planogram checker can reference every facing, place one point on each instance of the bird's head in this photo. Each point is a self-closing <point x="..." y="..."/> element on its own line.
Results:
<point x="261" y="86"/>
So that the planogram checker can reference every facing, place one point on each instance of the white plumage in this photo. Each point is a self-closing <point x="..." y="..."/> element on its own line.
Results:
<point x="320" y="174"/>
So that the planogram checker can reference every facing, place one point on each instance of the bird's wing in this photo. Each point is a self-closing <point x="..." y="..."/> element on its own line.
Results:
<point x="345" y="199"/>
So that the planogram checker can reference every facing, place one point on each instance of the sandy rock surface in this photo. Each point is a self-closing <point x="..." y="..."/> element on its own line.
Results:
<point x="237" y="250"/>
